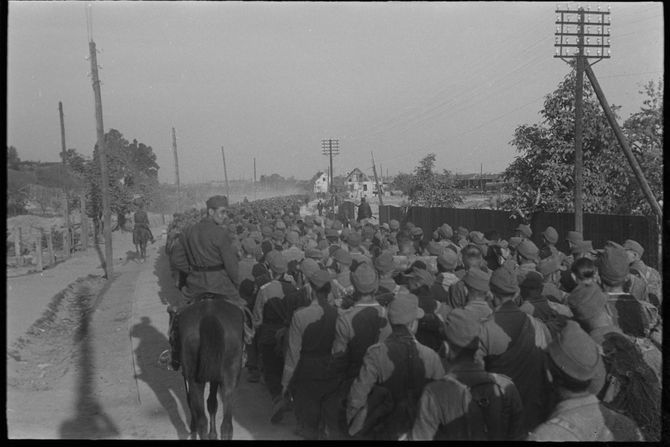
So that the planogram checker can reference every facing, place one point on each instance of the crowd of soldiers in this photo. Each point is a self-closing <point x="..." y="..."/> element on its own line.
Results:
<point x="379" y="331"/>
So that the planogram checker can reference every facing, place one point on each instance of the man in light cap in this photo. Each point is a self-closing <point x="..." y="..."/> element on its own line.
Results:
<point x="523" y="231"/>
<point x="508" y="346"/>
<point x="388" y="288"/>
<point x="205" y="254"/>
<point x="477" y="282"/>
<point x="648" y="275"/>
<point x="357" y="328"/>
<point x="549" y="241"/>
<point x="384" y="396"/>
<point x="634" y="317"/>
<point x="527" y="255"/>
<point x="579" y="416"/>
<point x="339" y="263"/>
<point x="458" y="292"/>
<point x="444" y="411"/>
<point x="275" y="303"/>
<point x="307" y="375"/>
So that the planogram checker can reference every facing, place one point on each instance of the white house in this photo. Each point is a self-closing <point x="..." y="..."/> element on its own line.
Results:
<point x="358" y="184"/>
<point x="321" y="183"/>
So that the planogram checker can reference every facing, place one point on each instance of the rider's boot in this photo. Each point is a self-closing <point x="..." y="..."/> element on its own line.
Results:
<point x="174" y="363"/>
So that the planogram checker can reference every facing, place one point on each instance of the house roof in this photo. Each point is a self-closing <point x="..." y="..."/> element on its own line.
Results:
<point x="359" y="172"/>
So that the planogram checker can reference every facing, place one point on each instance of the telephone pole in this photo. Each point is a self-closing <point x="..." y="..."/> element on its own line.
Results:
<point x="254" y="178"/>
<point x="104" y="177"/>
<point x="225" y="173"/>
<point x="330" y="147"/>
<point x="66" y="239"/>
<point x="575" y="26"/>
<point x="176" y="167"/>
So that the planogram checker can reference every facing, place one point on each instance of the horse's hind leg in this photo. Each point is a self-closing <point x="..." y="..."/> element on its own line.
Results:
<point x="196" y="403"/>
<point x="230" y="378"/>
<point x="212" y="405"/>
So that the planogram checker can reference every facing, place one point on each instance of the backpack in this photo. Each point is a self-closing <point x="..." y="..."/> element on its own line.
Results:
<point x="483" y="407"/>
<point x="632" y="387"/>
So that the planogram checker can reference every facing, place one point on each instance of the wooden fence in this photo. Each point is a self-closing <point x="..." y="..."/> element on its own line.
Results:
<point x="598" y="228"/>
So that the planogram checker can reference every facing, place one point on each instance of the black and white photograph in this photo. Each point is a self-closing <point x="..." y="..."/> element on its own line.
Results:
<point x="350" y="221"/>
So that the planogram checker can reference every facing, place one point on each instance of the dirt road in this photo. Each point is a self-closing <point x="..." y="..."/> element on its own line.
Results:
<point x="92" y="372"/>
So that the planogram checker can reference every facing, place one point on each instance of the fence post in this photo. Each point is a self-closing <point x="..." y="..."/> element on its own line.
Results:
<point x="38" y="251"/>
<point x="17" y="246"/>
<point x="50" y="246"/>
<point x="66" y="238"/>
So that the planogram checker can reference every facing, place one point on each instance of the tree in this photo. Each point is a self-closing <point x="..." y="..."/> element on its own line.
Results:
<point x="541" y="178"/>
<point x="644" y="131"/>
<point x="13" y="160"/>
<point x="18" y="190"/>
<point x="132" y="170"/>
<point x="427" y="188"/>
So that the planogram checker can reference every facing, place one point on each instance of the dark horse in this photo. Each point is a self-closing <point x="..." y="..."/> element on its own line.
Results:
<point x="211" y="339"/>
<point x="141" y="235"/>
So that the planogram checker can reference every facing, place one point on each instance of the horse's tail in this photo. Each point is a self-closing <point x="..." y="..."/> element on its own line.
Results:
<point x="210" y="351"/>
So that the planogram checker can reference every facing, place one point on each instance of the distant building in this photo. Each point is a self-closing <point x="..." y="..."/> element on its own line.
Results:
<point x="358" y="184"/>
<point x="321" y="183"/>
<point x="480" y="182"/>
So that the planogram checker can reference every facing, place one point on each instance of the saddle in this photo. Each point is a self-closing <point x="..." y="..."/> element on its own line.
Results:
<point x="249" y="331"/>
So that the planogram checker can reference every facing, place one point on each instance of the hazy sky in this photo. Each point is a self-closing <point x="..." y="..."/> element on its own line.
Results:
<point x="270" y="80"/>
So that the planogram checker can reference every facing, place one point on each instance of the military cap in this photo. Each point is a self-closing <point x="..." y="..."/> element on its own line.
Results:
<point x="258" y="270"/>
<point x="549" y="265"/>
<point x="504" y="282"/>
<point x="314" y="253"/>
<point x="477" y="279"/>
<point x="528" y="249"/>
<point x="514" y="241"/>
<point x="550" y="234"/>
<point x="337" y="225"/>
<point x="277" y="262"/>
<point x="525" y="230"/>
<point x="266" y="247"/>
<point x="344" y="234"/>
<point x="448" y="259"/>
<point x="586" y="301"/>
<point x="575" y="353"/>
<point x="364" y="278"/>
<point x="445" y="230"/>
<point x="319" y="278"/>
<point x="215" y="202"/>
<point x="342" y="256"/>
<point x="394" y="225"/>
<point x="409" y="226"/>
<point x="317" y="220"/>
<point x="266" y="231"/>
<point x="434" y="249"/>
<point x="384" y="262"/>
<point x="477" y="238"/>
<point x="256" y="236"/>
<point x="278" y="235"/>
<point x="308" y="266"/>
<point x="292" y="237"/>
<point x="532" y="281"/>
<point x="462" y="231"/>
<point x="249" y="246"/>
<point x="632" y="245"/>
<point x="574" y="237"/>
<point x="461" y="328"/>
<point x="582" y="247"/>
<point x="404" y="308"/>
<point x="613" y="265"/>
<point x="385" y="226"/>
<point x="416" y="231"/>
<point x="322" y="245"/>
<point x="280" y="225"/>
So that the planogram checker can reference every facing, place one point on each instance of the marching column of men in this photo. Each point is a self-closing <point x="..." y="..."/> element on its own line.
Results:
<point x="369" y="331"/>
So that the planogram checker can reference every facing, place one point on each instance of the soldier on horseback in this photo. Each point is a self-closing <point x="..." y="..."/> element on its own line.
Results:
<point x="205" y="254"/>
<point x="141" y="220"/>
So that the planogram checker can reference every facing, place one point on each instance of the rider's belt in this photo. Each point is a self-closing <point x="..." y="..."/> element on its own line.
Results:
<point x="211" y="268"/>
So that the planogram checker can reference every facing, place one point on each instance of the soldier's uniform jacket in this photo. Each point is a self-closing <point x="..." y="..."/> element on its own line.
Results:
<point x="356" y="329"/>
<point x="378" y="368"/>
<point x="244" y="267"/>
<point x="652" y="279"/>
<point x="275" y="303"/>
<point x="141" y="217"/>
<point x="508" y="346"/>
<point x="209" y="247"/>
<point x="310" y="340"/>
<point x="441" y="411"/>
<point x="523" y="269"/>
<point x="293" y="253"/>
<point x="586" y="419"/>
<point x="480" y="308"/>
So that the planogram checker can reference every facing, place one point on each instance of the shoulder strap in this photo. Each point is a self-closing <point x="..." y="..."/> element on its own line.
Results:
<point x="187" y="248"/>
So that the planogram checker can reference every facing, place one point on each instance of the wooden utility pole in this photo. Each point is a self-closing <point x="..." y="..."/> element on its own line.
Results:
<point x="66" y="207"/>
<point x="254" y="178"/>
<point x="106" y="211"/>
<point x="635" y="166"/>
<point x="225" y="173"/>
<point x="84" y="222"/>
<point x="176" y="167"/>
<point x="579" y="114"/>
<point x="330" y="147"/>
<point x="380" y="191"/>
